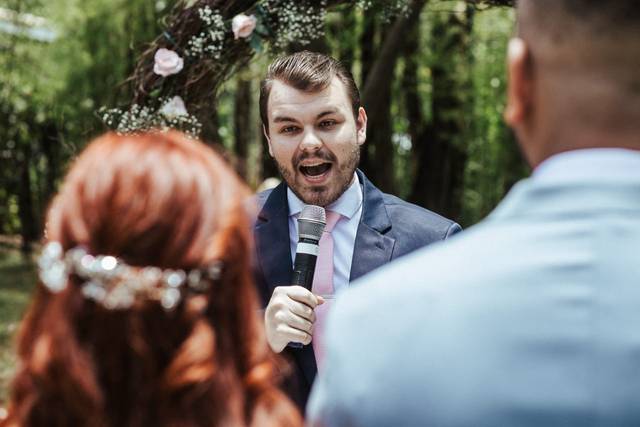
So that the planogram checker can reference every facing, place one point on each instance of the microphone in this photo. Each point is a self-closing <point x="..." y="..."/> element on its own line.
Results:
<point x="311" y="223"/>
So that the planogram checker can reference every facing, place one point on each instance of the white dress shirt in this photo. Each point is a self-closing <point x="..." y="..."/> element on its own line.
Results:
<point x="349" y="205"/>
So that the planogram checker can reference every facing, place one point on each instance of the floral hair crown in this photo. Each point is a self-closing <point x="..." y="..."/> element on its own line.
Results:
<point x="115" y="285"/>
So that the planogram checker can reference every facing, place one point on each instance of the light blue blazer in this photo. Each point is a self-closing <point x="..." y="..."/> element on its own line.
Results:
<point x="531" y="318"/>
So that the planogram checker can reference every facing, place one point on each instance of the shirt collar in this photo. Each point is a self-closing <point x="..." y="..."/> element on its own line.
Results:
<point x="599" y="163"/>
<point x="347" y="204"/>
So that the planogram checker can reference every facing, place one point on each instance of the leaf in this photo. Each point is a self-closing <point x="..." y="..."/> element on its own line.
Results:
<point x="260" y="12"/>
<point x="256" y="43"/>
<point x="262" y="26"/>
<point x="155" y="93"/>
<point x="262" y="29"/>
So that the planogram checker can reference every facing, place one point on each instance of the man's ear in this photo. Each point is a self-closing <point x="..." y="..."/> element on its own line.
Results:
<point x="266" y="135"/>
<point x="519" y="91"/>
<point x="361" y="126"/>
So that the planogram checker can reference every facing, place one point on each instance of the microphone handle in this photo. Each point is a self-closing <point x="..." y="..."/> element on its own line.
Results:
<point x="304" y="268"/>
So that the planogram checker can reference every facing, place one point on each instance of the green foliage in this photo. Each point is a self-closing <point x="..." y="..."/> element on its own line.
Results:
<point x="17" y="280"/>
<point x="49" y="92"/>
<point x="494" y="163"/>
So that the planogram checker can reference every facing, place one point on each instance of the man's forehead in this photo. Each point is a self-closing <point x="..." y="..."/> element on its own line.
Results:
<point x="285" y="98"/>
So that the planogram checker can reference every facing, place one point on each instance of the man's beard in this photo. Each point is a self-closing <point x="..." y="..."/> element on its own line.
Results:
<point x="323" y="195"/>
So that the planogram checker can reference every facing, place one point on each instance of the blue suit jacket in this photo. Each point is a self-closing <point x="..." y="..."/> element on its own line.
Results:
<point x="531" y="318"/>
<point x="389" y="228"/>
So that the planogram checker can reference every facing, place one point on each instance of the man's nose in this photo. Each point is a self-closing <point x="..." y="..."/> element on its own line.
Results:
<point x="310" y="141"/>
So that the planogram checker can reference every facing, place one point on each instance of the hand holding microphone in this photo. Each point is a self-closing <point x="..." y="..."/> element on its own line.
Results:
<point x="289" y="316"/>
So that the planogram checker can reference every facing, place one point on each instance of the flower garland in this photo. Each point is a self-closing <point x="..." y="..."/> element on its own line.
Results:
<point x="279" y="22"/>
<point x="299" y="22"/>
<point x="210" y="41"/>
<point x="172" y="114"/>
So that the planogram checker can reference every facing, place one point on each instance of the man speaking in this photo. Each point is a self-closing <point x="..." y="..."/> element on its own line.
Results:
<point x="315" y="127"/>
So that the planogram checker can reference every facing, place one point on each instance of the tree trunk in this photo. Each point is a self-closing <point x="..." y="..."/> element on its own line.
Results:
<point x="28" y="226"/>
<point x="242" y="122"/>
<point x="380" y="135"/>
<point x="367" y="54"/>
<point x="51" y="140"/>
<point x="413" y="104"/>
<point x="382" y="69"/>
<point x="4" y="206"/>
<point x="417" y="126"/>
<point x="348" y="27"/>
<point x="441" y="148"/>
<point x="376" y="96"/>
<point x="211" y="126"/>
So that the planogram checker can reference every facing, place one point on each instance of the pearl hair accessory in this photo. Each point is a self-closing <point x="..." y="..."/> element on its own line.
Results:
<point x="115" y="285"/>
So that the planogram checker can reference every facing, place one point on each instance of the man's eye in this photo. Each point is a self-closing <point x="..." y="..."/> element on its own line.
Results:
<point x="327" y="123"/>
<point x="289" y="129"/>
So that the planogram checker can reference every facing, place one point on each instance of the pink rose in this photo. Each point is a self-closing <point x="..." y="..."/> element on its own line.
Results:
<point x="167" y="62"/>
<point x="243" y="25"/>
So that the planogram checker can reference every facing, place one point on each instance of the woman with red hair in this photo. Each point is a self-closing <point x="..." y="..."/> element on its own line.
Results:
<point x="146" y="314"/>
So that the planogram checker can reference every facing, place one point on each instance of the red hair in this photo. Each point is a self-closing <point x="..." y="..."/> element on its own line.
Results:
<point x="157" y="199"/>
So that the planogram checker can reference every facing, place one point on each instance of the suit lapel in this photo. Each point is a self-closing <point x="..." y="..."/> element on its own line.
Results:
<point x="272" y="239"/>
<point x="373" y="247"/>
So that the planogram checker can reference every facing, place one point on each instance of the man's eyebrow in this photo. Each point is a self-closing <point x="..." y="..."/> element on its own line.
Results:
<point x="280" y="119"/>
<point x="327" y="113"/>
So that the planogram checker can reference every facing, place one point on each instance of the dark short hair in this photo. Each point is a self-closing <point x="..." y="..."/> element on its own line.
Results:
<point x="308" y="72"/>
<point x="603" y="19"/>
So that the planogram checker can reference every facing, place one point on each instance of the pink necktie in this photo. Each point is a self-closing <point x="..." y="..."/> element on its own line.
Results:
<point x="323" y="284"/>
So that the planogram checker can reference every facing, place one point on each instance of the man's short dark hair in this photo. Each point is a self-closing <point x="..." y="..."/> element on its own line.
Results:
<point x="593" y="36"/>
<point x="603" y="19"/>
<point x="308" y="72"/>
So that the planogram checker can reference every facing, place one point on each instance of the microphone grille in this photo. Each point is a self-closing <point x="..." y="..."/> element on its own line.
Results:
<point x="313" y="213"/>
<point x="311" y="222"/>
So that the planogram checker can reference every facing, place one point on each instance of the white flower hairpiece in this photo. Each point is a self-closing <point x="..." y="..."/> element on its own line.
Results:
<point x="115" y="285"/>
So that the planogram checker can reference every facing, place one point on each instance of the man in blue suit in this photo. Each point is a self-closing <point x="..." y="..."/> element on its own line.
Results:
<point x="314" y="125"/>
<point x="540" y="324"/>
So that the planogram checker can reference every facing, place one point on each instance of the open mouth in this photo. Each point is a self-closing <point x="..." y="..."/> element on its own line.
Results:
<point x="315" y="170"/>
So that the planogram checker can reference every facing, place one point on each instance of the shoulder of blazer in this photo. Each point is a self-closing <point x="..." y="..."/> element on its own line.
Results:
<point x="260" y="199"/>
<point x="387" y="213"/>
<point x="409" y="218"/>
<point x="271" y="203"/>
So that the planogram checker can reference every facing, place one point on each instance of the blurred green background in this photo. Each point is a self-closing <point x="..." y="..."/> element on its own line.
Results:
<point x="17" y="280"/>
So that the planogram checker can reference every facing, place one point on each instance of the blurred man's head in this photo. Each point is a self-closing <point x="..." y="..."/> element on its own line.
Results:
<point x="311" y="116"/>
<point x="574" y="76"/>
